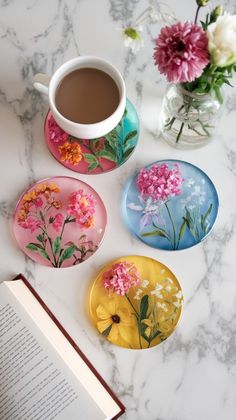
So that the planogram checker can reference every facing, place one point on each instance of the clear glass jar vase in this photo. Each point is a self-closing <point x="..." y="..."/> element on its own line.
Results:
<point x="188" y="119"/>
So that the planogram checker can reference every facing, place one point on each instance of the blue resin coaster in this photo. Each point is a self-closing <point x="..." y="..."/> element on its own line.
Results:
<point x="170" y="205"/>
<point x="98" y="155"/>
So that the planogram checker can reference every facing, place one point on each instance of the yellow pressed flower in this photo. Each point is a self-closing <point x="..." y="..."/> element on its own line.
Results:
<point x="53" y="187"/>
<point x="30" y="196"/>
<point x="114" y="320"/>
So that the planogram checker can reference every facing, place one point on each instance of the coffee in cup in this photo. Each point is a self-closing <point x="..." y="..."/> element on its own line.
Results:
<point x="87" y="96"/>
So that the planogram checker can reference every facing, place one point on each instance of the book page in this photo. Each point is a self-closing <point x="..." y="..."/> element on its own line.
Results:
<point x="35" y="384"/>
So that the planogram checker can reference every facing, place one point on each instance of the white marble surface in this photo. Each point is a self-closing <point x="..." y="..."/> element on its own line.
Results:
<point x="192" y="375"/>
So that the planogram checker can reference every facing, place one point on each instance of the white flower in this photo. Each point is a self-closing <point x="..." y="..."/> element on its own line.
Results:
<point x="163" y="270"/>
<point x="137" y="294"/>
<point x="190" y="182"/>
<point x="162" y="306"/>
<point x="156" y="291"/>
<point x="178" y="295"/>
<point x="133" y="39"/>
<point x="222" y="40"/>
<point x="144" y="284"/>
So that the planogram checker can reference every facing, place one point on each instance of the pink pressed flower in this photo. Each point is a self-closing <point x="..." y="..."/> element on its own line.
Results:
<point x="58" y="221"/>
<point x="159" y="182"/>
<point x="38" y="202"/>
<point x="82" y="207"/>
<point x="181" y="52"/>
<point x="121" y="277"/>
<point x="31" y="224"/>
<point x="56" y="134"/>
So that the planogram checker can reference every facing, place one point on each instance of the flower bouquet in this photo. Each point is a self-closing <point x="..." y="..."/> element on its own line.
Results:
<point x="198" y="59"/>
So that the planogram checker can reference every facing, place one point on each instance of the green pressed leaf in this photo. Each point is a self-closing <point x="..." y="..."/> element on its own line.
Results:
<point x="106" y="332"/>
<point x="143" y="307"/>
<point x="57" y="245"/>
<point x="34" y="246"/>
<point x="38" y="248"/>
<point x="182" y="230"/>
<point x="130" y="135"/>
<point x="67" y="253"/>
<point x="41" y="215"/>
<point x="156" y="232"/>
<point x="44" y="254"/>
<point x="88" y="157"/>
<point x="92" y="166"/>
<point x="40" y="238"/>
<point x="106" y="155"/>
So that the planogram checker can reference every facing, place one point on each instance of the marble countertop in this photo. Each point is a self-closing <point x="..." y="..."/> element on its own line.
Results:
<point x="192" y="375"/>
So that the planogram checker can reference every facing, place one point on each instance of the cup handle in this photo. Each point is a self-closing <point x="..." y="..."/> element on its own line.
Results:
<point x="41" y="82"/>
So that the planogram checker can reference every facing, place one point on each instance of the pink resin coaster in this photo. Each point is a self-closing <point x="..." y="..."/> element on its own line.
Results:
<point x="59" y="221"/>
<point x="97" y="155"/>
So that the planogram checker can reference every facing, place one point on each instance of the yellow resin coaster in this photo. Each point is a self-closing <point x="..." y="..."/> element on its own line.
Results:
<point x="135" y="302"/>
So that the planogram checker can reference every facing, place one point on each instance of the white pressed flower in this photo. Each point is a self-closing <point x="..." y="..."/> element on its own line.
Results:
<point x="179" y="294"/>
<point x="137" y="294"/>
<point x="177" y="303"/>
<point x="168" y="288"/>
<point x="162" y="306"/>
<point x="222" y="40"/>
<point x="190" y="182"/>
<point x="144" y="284"/>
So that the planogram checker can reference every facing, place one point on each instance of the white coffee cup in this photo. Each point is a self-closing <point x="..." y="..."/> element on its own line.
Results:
<point x="48" y="86"/>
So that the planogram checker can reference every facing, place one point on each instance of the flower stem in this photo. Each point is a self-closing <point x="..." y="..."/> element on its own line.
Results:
<point x="180" y="132"/>
<point x="196" y="16"/>
<point x="137" y="318"/>
<point x="172" y="223"/>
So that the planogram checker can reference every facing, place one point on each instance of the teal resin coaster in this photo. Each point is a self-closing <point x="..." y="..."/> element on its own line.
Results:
<point x="97" y="155"/>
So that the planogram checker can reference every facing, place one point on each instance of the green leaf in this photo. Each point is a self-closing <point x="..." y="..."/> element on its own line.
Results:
<point x="156" y="232"/>
<point x="40" y="238"/>
<point x="57" y="245"/>
<point x="44" y="254"/>
<point x="130" y="135"/>
<point x="41" y="215"/>
<point x="67" y="253"/>
<point x="143" y="308"/>
<point x="32" y="246"/>
<point x="106" y="332"/>
<point x="38" y="248"/>
<point x="92" y="166"/>
<point x="88" y="157"/>
<point x="182" y="230"/>
<point x="205" y="216"/>
<point x="107" y="155"/>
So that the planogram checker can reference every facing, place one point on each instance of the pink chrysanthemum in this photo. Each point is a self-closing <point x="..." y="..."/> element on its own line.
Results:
<point x="56" y="133"/>
<point x="82" y="207"/>
<point x="121" y="277"/>
<point x="181" y="52"/>
<point x="159" y="182"/>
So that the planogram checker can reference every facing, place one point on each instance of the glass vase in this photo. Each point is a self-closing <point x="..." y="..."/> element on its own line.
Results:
<point x="188" y="119"/>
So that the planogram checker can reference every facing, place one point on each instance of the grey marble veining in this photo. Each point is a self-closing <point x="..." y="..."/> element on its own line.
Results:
<point x="192" y="375"/>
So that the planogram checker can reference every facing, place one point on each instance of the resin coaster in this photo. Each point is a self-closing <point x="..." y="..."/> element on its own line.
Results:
<point x="135" y="302"/>
<point x="59" y="221"/>
<point x="97" y="155"/>
<point x="170" y="205"/>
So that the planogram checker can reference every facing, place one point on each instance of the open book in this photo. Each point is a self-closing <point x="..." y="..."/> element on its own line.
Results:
<point x="43" y="373"/>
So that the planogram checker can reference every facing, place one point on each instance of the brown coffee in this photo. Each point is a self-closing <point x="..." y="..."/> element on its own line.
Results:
<point x="87" y="96"/>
